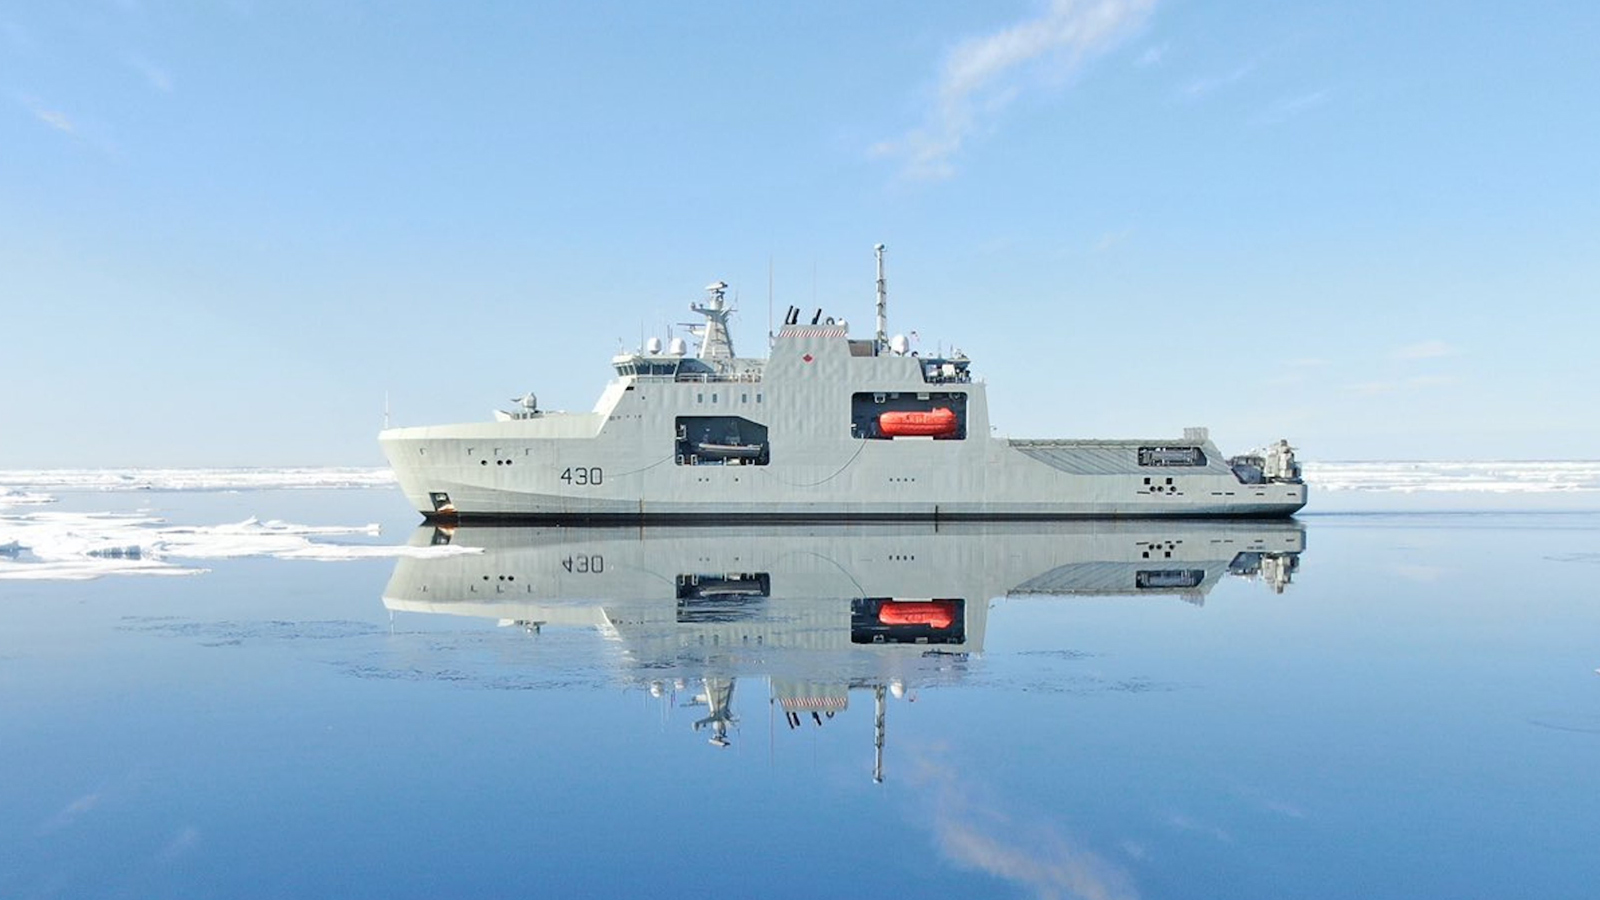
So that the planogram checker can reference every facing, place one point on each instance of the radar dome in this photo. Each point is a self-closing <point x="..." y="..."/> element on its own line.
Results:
<point x="676" y="347"/>
<point x="529" y="402"/>
<point x="653" y="346"/>
<point x="899" y="344"/>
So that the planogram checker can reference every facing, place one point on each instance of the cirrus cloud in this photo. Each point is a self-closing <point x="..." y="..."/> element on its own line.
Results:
<point x="1432" y="349"/>
<point x="982" y="75"/>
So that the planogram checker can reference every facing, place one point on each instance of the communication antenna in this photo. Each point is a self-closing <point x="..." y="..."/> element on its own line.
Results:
<point x="883" y="301"/>
<point x="879" y="731"/>
<point x="769" y="301"/>
<point x="385" y="409"/>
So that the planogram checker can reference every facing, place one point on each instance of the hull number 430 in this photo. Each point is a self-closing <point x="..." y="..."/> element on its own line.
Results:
<point x="581" y="476"/>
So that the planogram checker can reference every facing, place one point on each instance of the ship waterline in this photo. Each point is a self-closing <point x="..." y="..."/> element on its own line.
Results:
<point x="825" y="427"/>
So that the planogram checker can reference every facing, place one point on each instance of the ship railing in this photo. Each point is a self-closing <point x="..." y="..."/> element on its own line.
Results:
<point x="716" y="378"/>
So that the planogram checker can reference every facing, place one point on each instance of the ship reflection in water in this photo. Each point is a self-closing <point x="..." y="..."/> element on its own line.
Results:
<point x="820" y="613"/>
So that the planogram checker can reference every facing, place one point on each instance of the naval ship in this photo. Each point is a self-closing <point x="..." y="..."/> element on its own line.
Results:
<point x="826" y="426"/>
<point x="823" y="614"/>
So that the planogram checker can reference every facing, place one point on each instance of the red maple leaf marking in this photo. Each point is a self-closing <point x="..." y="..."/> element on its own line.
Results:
<point x="808" y="357"/>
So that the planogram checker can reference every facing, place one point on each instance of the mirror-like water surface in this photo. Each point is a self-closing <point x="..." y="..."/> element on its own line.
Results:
<point x="1375" y="705"/>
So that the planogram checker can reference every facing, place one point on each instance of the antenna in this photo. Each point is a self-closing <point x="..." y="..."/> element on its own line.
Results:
<point x="883" y="301"/>
<point x="386" y="409"/>
<point x="769" y="301"/>
<point x="878" y="729"/>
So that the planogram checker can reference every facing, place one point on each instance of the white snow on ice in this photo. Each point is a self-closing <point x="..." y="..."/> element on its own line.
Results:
<point x="193" y="479"/>
<point x="1470" y="477"/>
<point x="75" y="546"/>
<point x="14" y="497"/>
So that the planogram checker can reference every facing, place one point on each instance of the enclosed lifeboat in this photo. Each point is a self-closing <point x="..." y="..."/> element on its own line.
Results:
<point x="939" y="422"/>
<point x="932" y="613"/>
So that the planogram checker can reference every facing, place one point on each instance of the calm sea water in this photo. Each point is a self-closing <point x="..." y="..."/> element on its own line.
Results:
<point x="671" y="713"/>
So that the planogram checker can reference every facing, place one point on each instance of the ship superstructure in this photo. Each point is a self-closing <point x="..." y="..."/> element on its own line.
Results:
<point x="827" y="426"/>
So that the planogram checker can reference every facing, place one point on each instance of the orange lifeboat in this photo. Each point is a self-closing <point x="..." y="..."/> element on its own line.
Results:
<point x="933" y="613"/>
<point x="939" y="422"/>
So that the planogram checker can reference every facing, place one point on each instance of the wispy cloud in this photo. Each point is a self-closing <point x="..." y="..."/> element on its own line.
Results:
<point x="1428" y="381"/>
<point x="1373" y="388"/>
<point x="185" y="840"/>
<point x="55" y="118"/>
<point x="1112" y="239"/>
<point x="1423" y="350"/>
<point x="84" y="132"/>
<point x="1294" y="106"/>
<point x="981" y="76"/>
<point x="1200" y="87"/>
<point x="155" y="76"/>
<point x="1416" y="382"/>
<point x="1032" y="855"/>
<point x="1182" y="822"/>
<point x="1152" y="56"/>
<point x="70" y="813"/>
<point x="1284" y="808"/>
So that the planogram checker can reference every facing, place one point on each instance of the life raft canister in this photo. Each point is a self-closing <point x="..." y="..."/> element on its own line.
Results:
<point x="932" y="613"/>
<point x="938" y="422"/>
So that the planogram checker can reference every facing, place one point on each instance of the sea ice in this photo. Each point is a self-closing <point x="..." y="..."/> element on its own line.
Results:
<point x="1476" y="476"/>
<point x="195" y="479"/>
<point x="76" y="546"/>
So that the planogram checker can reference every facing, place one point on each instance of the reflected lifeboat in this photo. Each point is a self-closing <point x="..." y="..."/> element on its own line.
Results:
<point x="932" y="613"/>
<point x="939" y="422"/>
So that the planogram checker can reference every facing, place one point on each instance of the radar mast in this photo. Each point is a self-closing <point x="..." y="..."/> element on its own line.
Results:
<point x="715" y="341"/>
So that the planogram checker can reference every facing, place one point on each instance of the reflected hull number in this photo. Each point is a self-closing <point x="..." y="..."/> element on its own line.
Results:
<point x="585" y="564"/>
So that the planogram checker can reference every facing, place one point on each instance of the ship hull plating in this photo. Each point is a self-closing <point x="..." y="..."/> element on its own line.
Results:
<point x="484" y="476"/>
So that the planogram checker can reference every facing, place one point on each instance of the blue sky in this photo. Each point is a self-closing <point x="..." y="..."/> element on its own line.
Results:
<point x="228" y="230"/>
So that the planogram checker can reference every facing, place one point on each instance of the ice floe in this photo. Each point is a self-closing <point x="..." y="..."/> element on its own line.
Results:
<point x="1471" y="477"/>
<point x="236" y="479"/>
<point x="75" y="546"/>
<point x="15" y="497"/>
